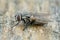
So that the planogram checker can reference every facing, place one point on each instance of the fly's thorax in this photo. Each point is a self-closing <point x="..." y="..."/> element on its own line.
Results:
<point x="32" y="18"/>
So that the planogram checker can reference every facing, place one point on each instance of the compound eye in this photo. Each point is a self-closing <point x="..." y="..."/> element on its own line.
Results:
<point x="17" y="18"/>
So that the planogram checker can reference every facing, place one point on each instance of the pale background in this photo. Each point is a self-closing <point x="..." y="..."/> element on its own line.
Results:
<point x="8" y="8"/>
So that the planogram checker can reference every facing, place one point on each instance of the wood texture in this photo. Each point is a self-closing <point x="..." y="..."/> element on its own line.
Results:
<point x="48" y="9"/>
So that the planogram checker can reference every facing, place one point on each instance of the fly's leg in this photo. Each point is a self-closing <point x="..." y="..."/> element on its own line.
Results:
<point x="17" y="23"/>
<point x="26" y="24"/>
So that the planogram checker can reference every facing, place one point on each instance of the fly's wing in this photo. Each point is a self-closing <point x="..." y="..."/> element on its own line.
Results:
<point x="41" y="18"/>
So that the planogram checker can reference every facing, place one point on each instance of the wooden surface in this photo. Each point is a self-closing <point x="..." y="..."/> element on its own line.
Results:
<point x="8" y="8"/>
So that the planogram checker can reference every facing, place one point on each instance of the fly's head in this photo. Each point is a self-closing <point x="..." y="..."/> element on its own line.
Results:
<point x="18" y="17"/>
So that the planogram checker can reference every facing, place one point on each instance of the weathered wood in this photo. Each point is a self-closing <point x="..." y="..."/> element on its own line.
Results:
<point x="32" y="32"/>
